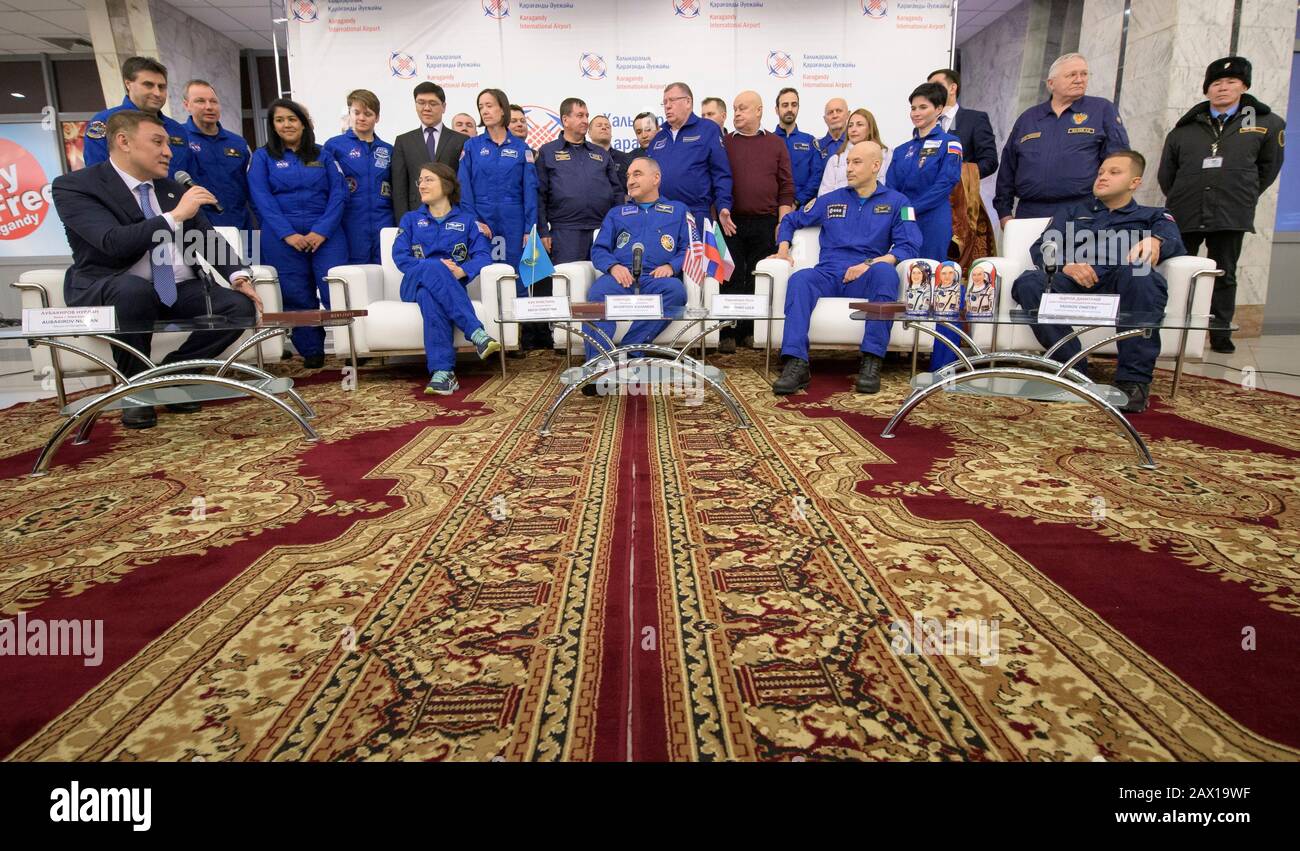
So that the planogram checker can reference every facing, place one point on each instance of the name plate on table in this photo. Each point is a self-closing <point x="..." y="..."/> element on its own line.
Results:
<point x="53" y="320"/>
<point x="739" y="306"/>
<point x="541" y="307"/>
<point x="1077" y="307"/>
<point x="644" y="306"/>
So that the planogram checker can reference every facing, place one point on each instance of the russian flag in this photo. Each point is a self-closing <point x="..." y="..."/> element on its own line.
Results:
<point x="716" y="256"/>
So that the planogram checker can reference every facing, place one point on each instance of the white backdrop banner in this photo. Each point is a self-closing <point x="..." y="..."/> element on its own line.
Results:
<point x="617" y="55"/>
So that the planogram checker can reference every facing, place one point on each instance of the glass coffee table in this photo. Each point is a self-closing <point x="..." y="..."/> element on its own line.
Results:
<point x="177" y="382"/>
<point x="1029" y="375"/>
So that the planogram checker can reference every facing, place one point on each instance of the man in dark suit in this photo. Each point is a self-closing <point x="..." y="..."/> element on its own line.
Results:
<point x="124" y="220"/>
<point x="970" y="125"/>
<point x="431" y="142"/>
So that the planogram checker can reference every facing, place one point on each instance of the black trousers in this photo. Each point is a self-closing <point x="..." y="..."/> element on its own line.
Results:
<point x="136" y="301"/>
<point x="1224" y="248"/>
<point x="755" y="239"/>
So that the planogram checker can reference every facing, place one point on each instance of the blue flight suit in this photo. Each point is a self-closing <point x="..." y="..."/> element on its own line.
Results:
<point x="498" y="185"/>
<point x="660" y="226"/>
<point x="295" y="196"/>
<point x="854" y="230"/>
<point x="1141" y="289"/>
<point x="422" y="242"/>
<point x="695" y="167"/>
<point x="221" y="162"/>
<point x="806" y="163"/>
<point x="368" y="174"/>
<point x="95" y="142"/>
<point x="828" y="145"/>
<point x="925" y="169"/>
<point x="1049" y="163"/>
<point x="576" y="186"/>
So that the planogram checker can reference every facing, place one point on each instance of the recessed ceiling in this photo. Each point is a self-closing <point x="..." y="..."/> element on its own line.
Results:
<point x="25" y="25"/>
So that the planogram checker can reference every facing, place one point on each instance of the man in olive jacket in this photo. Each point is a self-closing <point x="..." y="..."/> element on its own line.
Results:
<point x="1217" y="160"/>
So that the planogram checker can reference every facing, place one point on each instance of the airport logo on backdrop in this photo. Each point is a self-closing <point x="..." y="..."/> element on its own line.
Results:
<point x="303" y="10"/>
<point x="401" y="65"/>
<point x="686" y="8"/>
<point x="875" y="8"/>
<point x="496" y="8"/>
<point x="592" y="66"/>
<point x="543" y="126"/>
<point x="779" y="64"/>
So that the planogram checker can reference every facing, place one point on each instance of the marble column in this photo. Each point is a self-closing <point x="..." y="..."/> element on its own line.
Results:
<point x="119" y="29"/>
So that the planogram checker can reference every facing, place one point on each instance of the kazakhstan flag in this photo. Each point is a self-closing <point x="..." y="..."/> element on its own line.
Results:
<point x="535" y="264"/>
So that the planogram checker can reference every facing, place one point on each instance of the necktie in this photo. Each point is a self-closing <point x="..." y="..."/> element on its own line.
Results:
<point x="431" y="142"/>
<point x="164" y="276"/>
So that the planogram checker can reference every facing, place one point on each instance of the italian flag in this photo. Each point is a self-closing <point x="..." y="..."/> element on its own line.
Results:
<point x="907" y="214"/>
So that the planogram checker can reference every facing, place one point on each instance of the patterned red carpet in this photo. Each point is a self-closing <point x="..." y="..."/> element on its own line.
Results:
<point x="433" y="580"/>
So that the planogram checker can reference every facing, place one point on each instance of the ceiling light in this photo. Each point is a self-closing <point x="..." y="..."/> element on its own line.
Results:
<point x="17" y="95"/>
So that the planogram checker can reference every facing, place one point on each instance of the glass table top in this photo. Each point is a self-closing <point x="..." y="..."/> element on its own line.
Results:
<point x="180" y="394"/>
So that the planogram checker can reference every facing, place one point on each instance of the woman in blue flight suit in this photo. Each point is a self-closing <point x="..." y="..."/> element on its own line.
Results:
<point x="298" y="191"/>
<point x="440" y="249"/>
<point x="367" y="163"/>
<point x="925" y="169"/>
<point x="498" y="186"/>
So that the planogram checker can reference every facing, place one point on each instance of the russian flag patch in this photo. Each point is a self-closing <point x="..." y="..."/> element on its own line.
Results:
<point x="954" y="147"/>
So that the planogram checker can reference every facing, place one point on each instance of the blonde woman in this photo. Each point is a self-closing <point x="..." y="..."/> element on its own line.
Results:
<point x="861" y="128"/>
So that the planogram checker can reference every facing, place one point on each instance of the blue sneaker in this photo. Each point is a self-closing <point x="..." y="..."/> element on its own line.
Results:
<point x="442" y="383"/>
<point x="485" y="345"/>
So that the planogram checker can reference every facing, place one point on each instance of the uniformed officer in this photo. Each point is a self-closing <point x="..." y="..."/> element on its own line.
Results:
<point x="866" y="230"/>
<point x="221" y="157"/>
<point x="805" y="152"/>
<point x="298" y="191"/>
<point x="659" y="226"/>
<point x="367" y="163"/>
<point x="439" y="250"/>
<point x="146" y="89"/>
<point x="1109" y="244"/>
<point x="692" y="160"/>
<point x="1217" y="161"/>
<point x="601" y="133"/>
<point x="1055" y="148"/>
<point x="925" y="169"/>
<point x="577" y="184"/>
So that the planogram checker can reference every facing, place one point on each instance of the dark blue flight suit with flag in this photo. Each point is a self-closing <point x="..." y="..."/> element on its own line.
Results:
<point x="829" y="145"/>
<point x="292" y="196"/>
<point x="1050" y="162"/>
<point x="695" y="169"/>
<point x="498" y="186"/>
<point x="368" y="173"/>
<point x="659" y="226"/>
<point x="576" y="186"/>
<point x="806" y="163"/>
<point x="95" y="142"/>
<point x="854" y="230"/>
<point x="422" y="243"/>
<point x="925" y="169"/>
<point x="221" y="163"/>
<point x="1141" y="288"/>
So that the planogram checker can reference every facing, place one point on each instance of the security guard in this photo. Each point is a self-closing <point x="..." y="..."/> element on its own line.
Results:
<point x="577" y="184"/>
<point x="1055" y="148"/>
<point x="866" y="230"/>
<point x="806" y="161"/>
<point x="1115" y="247"/>
<point x="925" y="169"/>
<point x="439" y="250"/>
<point x="498" y="184"/>
<point x="692" y="160"/>
<point x="367" y="163"/>
<point x="221" y="157"/>
<point x="146" y="89"/>
<point x="659" y="226"/>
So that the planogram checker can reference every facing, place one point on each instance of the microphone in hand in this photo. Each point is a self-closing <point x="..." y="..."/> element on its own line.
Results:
<point x="184" y="179"/>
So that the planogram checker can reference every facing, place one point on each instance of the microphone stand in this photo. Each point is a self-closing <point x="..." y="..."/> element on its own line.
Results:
<point x="209" y="318"/>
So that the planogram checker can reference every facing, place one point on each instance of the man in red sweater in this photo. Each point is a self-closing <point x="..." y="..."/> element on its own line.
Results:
<point x="763" y="192"/>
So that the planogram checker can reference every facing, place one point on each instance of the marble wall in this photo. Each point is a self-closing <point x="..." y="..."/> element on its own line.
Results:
<point x="191" y="49"/>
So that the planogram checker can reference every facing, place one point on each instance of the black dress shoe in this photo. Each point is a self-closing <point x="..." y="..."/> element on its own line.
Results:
<point x="143" y="417"/>
<point x="747" y="342"/>
<point x="1222" y="345"/>
<point x="516" y="354"/>
<point x="185" y="407"/>
<point x="1137" y="396"/>
<point x="869" y="374"/>
<point x="727" y="346"/>
<point x="313" y="361"/>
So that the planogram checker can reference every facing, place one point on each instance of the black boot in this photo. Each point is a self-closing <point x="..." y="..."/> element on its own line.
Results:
<point x="142" y="417"/>
<point x="869" y="374"/>
<point x="1137" y="396"/>
<point x="794" y="377"/>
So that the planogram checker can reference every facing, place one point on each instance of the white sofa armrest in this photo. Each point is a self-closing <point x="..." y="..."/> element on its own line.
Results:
<point x="770" y="280"/>
<point x="494" y="288"/>
<point x="354" y="288"/>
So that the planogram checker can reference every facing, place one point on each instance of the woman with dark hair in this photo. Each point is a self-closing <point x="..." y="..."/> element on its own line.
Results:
<point x="298" y="192"/>
<point x="498" y="185"/>
<point x="439" y="250"/>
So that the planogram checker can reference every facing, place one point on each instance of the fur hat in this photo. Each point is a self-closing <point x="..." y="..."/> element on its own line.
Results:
<point x="1228" y="66"/>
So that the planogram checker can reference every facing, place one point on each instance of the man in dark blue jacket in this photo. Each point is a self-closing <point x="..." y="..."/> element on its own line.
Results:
<point x="694" y="164"/>
<point x="577" y="184"/>
<point x="971" y="126"/>
<point x="145" y="80"/>
<point x="221" y="157"/>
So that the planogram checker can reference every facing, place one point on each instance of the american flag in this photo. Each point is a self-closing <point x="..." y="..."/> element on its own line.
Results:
<point x="693" y="266"/>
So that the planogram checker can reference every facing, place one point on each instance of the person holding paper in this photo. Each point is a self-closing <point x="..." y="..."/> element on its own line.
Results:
<point x="1108" y="245"/>
<point x="658" y="227"/>
<point x="867" y="230"/>
<point x="439" y="250"/>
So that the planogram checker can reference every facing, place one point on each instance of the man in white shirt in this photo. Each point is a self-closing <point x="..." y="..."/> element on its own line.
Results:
<point x="124" y="221"/>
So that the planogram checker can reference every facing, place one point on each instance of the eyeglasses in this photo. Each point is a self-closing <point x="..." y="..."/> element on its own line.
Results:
<point x="668" y="101"/>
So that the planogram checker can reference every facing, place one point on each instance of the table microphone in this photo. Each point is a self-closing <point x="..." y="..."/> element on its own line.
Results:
<point x="638" y="253"/>
<point x="184" y="179"/>
<point x="1050" y="262"/>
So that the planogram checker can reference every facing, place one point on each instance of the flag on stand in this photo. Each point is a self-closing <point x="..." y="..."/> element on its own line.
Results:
<point x="693" y="266"/>
<point x="535" y="264"/>
<point x="716" y="255"/>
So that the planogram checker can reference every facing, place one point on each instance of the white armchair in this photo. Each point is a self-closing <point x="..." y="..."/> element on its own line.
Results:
<point x="44" y="288"/>
<point x="395" y="327"/>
